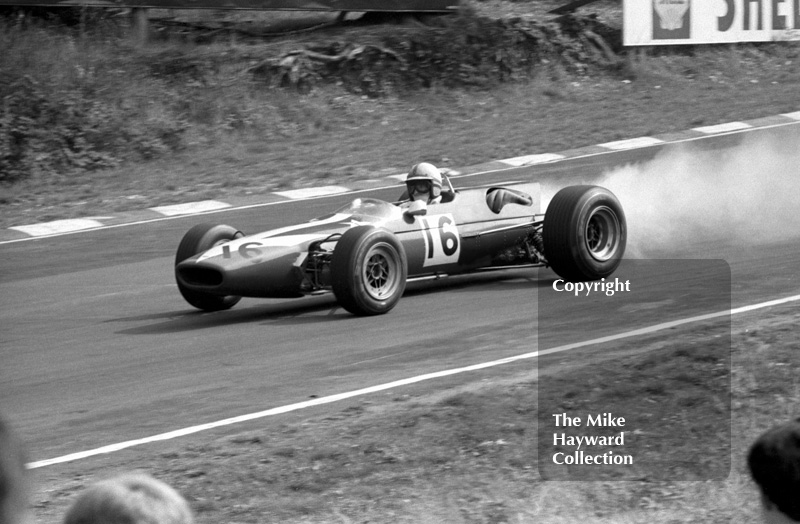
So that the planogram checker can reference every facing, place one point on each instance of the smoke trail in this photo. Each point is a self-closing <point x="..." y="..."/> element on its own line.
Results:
<point x="744" y="195"/>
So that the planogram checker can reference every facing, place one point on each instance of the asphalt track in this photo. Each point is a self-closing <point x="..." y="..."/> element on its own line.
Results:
<point x="98" y="347"/>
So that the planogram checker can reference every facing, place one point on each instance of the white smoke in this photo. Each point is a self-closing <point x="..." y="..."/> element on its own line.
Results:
<point x="745" y="195"/>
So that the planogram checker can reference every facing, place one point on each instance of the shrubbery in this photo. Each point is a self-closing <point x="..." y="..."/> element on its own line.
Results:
<point x="59" y="114"/>
<point x="74" y="101"/>
<point x="46" y="131"/>
<point x="465" y="51"/>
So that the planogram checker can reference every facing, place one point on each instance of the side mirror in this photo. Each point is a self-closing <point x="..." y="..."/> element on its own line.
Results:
<point x="417" y="208"/>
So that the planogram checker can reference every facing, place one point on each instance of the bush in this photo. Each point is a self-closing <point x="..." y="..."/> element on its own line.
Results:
<point x="47" y="132"/>
<point x="467" y="51"/>
<point x="63" y="107"/>
<point x="44" y="134"/>
<point x="82" y="101"/>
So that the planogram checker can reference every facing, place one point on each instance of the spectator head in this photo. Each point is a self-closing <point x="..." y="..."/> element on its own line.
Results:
<point x="133" y="498"/>
<point x="14" y="506"/>
<point x="774" y="462"/>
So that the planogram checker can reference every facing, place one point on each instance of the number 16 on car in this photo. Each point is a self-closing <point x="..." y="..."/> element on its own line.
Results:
<point x="442" y="244"/>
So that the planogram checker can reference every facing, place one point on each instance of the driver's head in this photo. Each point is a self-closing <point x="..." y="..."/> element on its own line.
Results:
<point x="424" y="182"/>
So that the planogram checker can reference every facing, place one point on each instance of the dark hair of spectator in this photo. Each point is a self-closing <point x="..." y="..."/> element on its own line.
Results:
<point x="132" y="498"/>
<point x="774" y="462"/>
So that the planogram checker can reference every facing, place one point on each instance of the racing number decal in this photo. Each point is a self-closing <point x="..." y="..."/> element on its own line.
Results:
<point x="442" y="244"/>
<point x="249" y="252"/>
<point x="246" y="250"/>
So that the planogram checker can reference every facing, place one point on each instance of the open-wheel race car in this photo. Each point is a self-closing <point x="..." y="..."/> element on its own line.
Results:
<point x="366" y="252"/>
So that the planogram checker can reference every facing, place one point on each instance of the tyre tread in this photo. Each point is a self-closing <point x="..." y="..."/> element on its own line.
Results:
<point x="561" y="236"/>
<point x="344" y="259"/>
<point x="200" y="238"/>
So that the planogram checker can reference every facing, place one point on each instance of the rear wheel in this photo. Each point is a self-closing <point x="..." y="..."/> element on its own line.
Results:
<point x="368" y="270"/>
<point x="203" y="237"/>
<point x="584" y="233"/>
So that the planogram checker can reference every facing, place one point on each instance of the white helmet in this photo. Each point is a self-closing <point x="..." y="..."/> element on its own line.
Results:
<point x="424" y="178"/>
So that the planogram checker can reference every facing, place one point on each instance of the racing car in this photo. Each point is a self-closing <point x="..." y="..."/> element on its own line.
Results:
<point x="365" y="252"/>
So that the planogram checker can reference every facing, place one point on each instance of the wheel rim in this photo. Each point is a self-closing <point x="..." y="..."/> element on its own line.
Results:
<point x="602" y="234"/>
<point x="381" y="275"/>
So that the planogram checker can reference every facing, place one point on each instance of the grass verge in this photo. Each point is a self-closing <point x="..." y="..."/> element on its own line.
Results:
<point x="466" y="451"/>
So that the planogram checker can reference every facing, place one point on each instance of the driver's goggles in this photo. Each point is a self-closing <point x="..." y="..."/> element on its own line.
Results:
<point x="420" y="186"/>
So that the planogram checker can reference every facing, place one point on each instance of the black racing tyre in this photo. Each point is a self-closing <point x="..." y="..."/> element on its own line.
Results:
<point x="368" y="270"/>
<point x="198" y="239"/>
<point x="584" y="233"/>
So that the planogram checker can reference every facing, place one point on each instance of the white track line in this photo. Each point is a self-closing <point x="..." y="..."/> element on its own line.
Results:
<point x="404" y="382"/>
<point x="632" y="143"/>
<point x="190" y="208"/>
<point x="723" y="128"/>
<point x="529" y="160"/>
<point x="308" y="192"/>
<point x="56" y="227"/>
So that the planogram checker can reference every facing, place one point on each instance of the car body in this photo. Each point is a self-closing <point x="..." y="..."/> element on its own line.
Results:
<point x="365" y="252"/>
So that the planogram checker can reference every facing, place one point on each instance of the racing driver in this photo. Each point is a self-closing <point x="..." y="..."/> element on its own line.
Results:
<point x="424" y="182"/>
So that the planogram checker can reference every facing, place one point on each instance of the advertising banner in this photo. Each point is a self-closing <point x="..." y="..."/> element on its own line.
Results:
<point x="671" y="22"/>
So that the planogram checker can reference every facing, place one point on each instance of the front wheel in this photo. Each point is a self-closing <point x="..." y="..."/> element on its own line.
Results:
<point x="584" y="233"/>
<point x="203" y="237"/>
<point x="368" y="270"/>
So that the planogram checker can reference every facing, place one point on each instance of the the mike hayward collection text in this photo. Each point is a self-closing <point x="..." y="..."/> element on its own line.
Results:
<point x="580" y="456"/>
